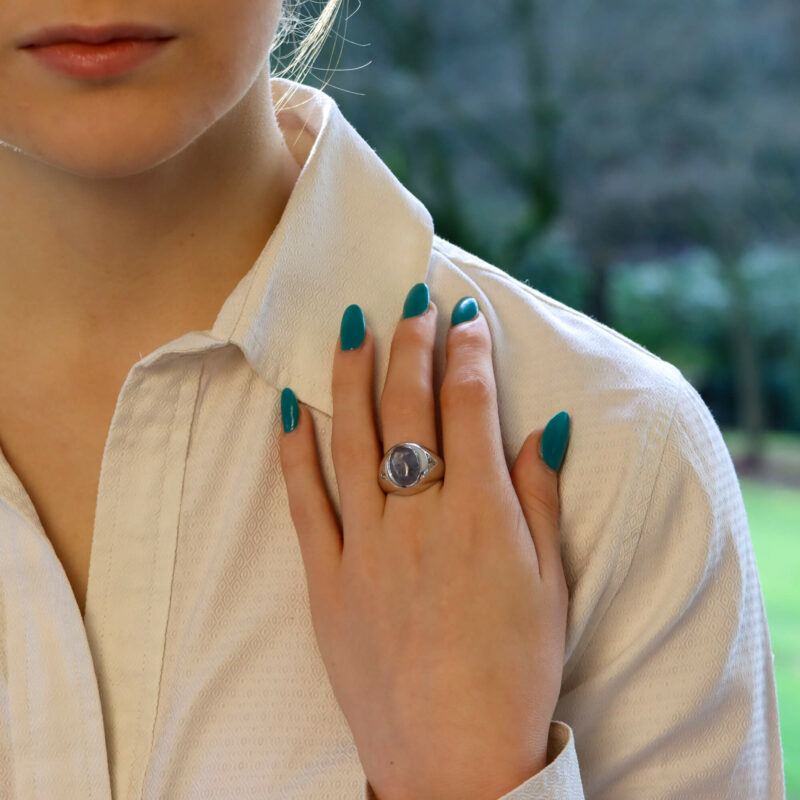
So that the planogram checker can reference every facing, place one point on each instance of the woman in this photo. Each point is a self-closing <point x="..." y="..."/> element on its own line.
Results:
<point x="208" y="589"/>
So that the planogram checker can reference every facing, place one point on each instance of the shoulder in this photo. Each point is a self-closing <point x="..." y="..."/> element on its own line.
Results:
<point x="624" y="404"/>
<point x="554" y="345"/>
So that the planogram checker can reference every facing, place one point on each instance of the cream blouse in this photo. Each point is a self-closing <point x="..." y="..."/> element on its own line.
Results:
<point x="196" y="674"/>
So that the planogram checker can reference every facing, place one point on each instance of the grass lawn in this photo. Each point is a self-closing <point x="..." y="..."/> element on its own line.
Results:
<point x="774" y="517"/>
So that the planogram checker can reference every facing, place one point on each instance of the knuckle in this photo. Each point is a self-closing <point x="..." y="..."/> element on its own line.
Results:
<point x="468" y="387"/>
<point x="469" y="336"/>
<point x="413" y="333"/>
<point x="408" y="403"/>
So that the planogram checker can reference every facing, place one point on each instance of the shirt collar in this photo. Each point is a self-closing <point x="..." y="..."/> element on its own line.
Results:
<point x="350" y="233"/>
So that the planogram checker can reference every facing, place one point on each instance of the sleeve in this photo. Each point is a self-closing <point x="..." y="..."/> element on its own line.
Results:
<point x="674" y="695"/>
<point x="559" y="780"/>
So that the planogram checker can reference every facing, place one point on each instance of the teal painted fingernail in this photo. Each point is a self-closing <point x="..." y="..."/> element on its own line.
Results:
<point x="416" y="301"/>
<point x="354" y="327"/>
<point x="290" y="412"/>
<point x="555" y="439"/>
<point x="465" y="309"/>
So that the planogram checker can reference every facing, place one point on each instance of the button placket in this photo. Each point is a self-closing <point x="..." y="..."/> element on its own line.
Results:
<point x="133" y="555"/>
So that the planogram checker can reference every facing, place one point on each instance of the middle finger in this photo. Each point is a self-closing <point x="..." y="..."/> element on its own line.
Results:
<point x="407" y="407"/>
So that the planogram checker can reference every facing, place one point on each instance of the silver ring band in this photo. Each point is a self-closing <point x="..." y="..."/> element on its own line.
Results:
<point x="408" y="468"/>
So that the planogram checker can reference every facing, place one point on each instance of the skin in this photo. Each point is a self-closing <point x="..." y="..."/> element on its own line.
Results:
<point x="130" y="209"/>
<point x="108" y="223"/>
<point x="440" y="616"/>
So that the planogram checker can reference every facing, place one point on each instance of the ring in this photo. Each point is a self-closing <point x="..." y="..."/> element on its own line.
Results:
<point x="409" y="468"/>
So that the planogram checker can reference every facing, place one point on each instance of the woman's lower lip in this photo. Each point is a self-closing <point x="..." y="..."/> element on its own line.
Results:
<point x="82" y="60"/>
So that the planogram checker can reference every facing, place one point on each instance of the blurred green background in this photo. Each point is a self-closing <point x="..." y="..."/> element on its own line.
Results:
<point x="639" y="161"/>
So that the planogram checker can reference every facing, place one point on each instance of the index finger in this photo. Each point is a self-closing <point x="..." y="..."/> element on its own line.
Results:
<point x="473" y="447"/>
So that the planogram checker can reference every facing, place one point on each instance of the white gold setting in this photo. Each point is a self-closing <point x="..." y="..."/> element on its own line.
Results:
<point x="408" y="468"/>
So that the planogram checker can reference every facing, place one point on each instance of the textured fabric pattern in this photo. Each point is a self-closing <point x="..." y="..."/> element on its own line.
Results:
<point x="195" y="672"/>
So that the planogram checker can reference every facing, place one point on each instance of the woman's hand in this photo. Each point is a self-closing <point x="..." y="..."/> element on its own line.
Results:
<point x="440" y="616"/>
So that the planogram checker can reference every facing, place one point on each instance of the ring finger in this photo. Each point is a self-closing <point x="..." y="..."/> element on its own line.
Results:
<point x="407" y="409"/>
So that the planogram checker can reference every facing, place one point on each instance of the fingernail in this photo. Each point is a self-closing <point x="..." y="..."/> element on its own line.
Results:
<point x="354" y="327"/>
<point x="555" y="439"/>
<point x="416" y="301"/>
<point x="290" y="411"/>
<point x="465" y="309"/>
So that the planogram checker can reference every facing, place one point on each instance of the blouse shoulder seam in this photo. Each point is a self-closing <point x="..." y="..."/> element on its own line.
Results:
<point x="679" y="392"/>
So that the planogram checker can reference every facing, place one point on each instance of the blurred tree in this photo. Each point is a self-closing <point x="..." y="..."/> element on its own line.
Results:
<point x="677" y="135"/>
<point x="615" y="133"/>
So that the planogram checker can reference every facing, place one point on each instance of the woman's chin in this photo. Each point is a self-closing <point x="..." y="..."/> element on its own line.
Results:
<point x="108" y="152"/>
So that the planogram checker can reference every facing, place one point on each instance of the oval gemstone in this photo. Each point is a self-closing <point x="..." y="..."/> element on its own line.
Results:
<point x="403" y="466"/>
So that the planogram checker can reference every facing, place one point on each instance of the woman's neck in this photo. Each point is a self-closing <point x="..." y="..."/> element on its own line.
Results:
<point x="118" y="265"/>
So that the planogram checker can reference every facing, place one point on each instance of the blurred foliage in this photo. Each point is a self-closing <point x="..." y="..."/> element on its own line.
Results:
<point x="551" y="264"/>
<point x="638" y="161"/>
<point x="678" y="309"/>
<point x="681" y="309"/>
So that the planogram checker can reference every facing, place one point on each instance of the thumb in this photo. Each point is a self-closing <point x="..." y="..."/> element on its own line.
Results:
<point x="535" y="479"/>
